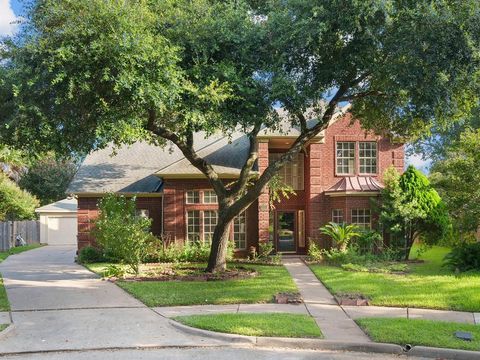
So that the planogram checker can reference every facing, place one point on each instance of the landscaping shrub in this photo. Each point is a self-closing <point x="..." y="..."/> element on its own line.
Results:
<point x="265" y="249"/>
<point x="120" y="232"/>
<point x="368" y="242"/>
<point x="465" y="257"/>
<point x="314" y="252"/>
<point x="341" y="234"/>
<point x="90" y="254"/>
<point x="189" y="252"/>
<point x="113" y="270"/>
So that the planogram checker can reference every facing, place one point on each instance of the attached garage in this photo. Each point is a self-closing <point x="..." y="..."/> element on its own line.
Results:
<point x="58" y="222"/>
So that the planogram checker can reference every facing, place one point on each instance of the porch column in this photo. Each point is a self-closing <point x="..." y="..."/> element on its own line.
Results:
<point x="263" y="199"/>
<point x="314" y="190"/>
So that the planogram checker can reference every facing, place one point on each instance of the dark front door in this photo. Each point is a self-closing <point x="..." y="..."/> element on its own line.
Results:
<point x="286" y="241"/>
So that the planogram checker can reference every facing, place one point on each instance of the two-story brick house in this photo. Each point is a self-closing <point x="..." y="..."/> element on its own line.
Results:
<point x="334" y="179"/>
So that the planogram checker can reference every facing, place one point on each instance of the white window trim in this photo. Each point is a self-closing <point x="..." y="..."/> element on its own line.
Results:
<point x="246" y="232"/>
<point x="360" y="224"/>
<point x="360" y="158"/>
<point x="354" y="158"/>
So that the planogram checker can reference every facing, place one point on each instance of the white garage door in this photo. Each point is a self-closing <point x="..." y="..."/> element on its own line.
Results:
<point x="62" y="230"/>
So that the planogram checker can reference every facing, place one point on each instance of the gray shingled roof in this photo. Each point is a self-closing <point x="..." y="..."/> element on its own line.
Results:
<point x="138" y="168"/>
<point x="131" y="169"/>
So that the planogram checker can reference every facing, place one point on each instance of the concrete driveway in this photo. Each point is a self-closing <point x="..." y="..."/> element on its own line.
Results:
<point x="57" y="304"/>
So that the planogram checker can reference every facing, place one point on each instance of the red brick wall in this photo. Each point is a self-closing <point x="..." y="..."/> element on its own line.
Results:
<point x="322" y="176"/>
<point x="175" y="208"/>
<point x="88" y="212"/>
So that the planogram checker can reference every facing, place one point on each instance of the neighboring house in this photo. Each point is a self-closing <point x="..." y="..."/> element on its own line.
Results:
<point x="334" y="179"/>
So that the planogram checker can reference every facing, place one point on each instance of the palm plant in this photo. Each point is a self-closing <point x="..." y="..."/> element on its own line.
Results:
<point x="341" y="234"/>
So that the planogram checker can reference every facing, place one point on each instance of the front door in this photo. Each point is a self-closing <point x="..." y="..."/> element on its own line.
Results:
<point x="286" y="230"/>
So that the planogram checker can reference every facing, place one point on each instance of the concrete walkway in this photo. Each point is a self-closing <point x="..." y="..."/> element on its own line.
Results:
<point x="57" y="304"/>
<point x="331" y="318"/>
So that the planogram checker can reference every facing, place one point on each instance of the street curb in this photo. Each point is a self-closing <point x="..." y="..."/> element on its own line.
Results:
<point x="319" y="344"/>
<point x="238" y="339"/>
<point x="440" y="353"/>
<point x="7" y="330"/>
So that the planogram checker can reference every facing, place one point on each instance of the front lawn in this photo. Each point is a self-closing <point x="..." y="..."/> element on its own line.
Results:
<point x="428" y="285"/>
<point x="420" y="332"/>
<point x="266" y="324"/>
<point x="259" y="289"/>
<point x="3" y="327"/>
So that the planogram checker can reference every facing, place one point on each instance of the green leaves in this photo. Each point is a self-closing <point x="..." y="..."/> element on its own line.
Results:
<point x="120" y="232"/>
<point x="15" y="203"/>
<point x="341" y="234"/>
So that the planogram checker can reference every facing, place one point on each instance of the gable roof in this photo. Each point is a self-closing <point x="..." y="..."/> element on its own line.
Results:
<point x="140" y="167"/>
<point x="68" y="205"/>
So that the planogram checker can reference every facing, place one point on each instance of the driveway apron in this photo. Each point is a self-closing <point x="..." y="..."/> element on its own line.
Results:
<point x="57" y="304"/>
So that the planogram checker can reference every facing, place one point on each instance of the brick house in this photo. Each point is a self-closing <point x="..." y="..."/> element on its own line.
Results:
<point x="334" y="179"/>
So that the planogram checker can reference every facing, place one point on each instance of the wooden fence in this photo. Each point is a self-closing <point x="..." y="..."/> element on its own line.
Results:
<point x="29" y="230"/>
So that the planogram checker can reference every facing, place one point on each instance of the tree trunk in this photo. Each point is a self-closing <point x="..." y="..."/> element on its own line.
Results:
<point x="217" y="262"/>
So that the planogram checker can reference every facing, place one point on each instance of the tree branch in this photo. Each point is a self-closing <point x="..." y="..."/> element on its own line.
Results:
<point x="240" y="184"/>
<point x="186" y="147"/>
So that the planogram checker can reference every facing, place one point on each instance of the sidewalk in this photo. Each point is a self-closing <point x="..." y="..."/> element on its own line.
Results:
<point x="336" y="322"/>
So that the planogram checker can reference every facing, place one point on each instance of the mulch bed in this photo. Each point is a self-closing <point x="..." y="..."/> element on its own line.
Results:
<point x="352" y="300"/>
<point x="237" y="273"/>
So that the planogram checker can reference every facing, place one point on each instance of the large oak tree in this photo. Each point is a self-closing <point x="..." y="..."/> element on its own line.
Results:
<point x="85" y="73"/>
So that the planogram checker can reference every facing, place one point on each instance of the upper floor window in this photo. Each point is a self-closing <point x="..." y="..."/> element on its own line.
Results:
<point x="209" y="197"/>
<point x="362" y="218"/>
<point x="292" y="173"/>
<point x="367" y="155"/>
<point x="193" y="197"/>
<point x="345" y="158"/>
<point x="337" y="216"/>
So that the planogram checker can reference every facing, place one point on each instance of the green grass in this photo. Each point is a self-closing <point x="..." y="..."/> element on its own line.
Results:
<point x="3" y="327"/>
<point x="420" y="332"/>
<point x="260" y="289"/>
<point x="17" y="250"/>
<point x="4" y="304"/>
<point x="429" y="285"/>
<point x="265" y="324"/>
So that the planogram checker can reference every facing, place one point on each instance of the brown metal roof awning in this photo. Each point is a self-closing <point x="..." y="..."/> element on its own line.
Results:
<point x="355" y="185"/>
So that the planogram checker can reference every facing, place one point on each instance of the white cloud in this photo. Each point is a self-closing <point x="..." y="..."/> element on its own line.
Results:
<point x="417" y="161"/>
<point x="7" y="19"/>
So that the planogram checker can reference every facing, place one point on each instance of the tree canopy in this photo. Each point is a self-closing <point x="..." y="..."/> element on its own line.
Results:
<point x="48" y="178"/>
<point x="457" y="177"/>
<point x="85" y="73"/>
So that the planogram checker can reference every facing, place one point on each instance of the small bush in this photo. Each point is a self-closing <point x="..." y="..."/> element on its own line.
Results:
<point x="368" y="242"/>
<point x="335" y="256"/>
<point x="314" y="252"/>
<point x="265" y="249"/>
<point x="90" y="254"/>
<point x="114" y="271"/>
<point x="465" y="257"/>
<point x="120" y="232"/>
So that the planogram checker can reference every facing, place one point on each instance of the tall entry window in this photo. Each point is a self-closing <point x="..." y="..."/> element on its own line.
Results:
<point x="292" y="173"/>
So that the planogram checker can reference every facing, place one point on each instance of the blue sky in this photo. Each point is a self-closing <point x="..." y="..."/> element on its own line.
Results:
<point x="10" y="9"/>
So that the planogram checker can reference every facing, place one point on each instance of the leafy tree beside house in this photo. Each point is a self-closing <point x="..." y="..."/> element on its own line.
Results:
<point x="411" y="209"/>
<point x="457" y="178"/>
<point x="85" y="73"/>
<point x="48" y="178"/>
<point x="15" y="203"/>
